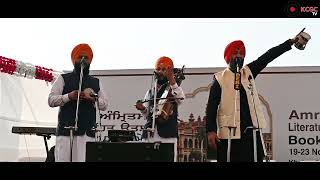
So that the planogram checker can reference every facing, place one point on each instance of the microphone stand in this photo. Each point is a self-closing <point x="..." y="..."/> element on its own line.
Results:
<point x="255" y="130"/>
<point x="98" y="129"/>
<point x="75" y="127"/>
<point x="155" y="90"/>
<point x="232" y="129"/>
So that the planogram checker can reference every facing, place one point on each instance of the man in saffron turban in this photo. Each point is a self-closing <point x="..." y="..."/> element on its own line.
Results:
<point x="64" y="93"/>
<point x="233" y="111"/>
<point x="166" y="123"/>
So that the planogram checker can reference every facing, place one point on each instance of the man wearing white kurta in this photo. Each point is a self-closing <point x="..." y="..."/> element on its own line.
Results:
<point x="167" y="131"/>
<point x="64" y="93"/>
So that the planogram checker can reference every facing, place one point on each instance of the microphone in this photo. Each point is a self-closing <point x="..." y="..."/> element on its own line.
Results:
<point x="83" y="61"/>
<point x="237" y="79"/>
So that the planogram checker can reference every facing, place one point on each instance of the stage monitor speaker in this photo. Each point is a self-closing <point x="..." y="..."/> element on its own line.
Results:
<point x="129" y="152"/>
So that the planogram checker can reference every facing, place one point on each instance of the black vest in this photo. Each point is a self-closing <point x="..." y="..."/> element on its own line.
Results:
<point x="86" y="113"/>
<point x="168" y="129"/>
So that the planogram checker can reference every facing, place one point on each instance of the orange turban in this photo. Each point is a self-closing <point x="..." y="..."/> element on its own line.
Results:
<point x="231" y="49"/>
<point x="164" y="61"/>
<point x="81" y="49"/>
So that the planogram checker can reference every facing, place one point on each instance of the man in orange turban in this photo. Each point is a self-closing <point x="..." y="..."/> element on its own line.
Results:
<point x="164" y="68"/>
<point x="64" y="94"/>
<point x="82" y="51"/>
<point x="234" y="111"/>
<point x="166" y="128"/>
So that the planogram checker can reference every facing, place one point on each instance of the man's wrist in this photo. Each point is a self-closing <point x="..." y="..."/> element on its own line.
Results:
<point x="65" y="98"/>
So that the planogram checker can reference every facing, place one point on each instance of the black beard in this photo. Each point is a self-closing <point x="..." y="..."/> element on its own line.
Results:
<point x="162" y="81"/>
<point x="234" y="63"/>
<point x="77" y="68"/>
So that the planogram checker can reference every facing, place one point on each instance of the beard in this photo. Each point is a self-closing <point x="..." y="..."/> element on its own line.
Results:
<point x="77" y="68"/>
<point x="162" y="80"/>
<point x="234" y="63"/>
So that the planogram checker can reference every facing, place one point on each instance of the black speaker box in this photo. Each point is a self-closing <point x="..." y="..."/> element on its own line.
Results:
<point x="129" y="152"/>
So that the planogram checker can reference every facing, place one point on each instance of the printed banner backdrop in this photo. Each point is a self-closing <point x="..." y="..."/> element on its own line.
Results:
<point x="293" y="103"/>
<point x="289" y="96"/>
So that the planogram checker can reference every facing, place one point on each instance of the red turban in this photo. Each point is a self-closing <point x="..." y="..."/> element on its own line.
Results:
<point x="164" y="61"/>
<point x="231" y="49"/>
<point x="81" y="49"/>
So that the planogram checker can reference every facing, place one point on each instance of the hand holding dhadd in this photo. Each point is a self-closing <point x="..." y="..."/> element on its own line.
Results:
<point x="86" y="95"/>
<point x="301" y="40"/>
